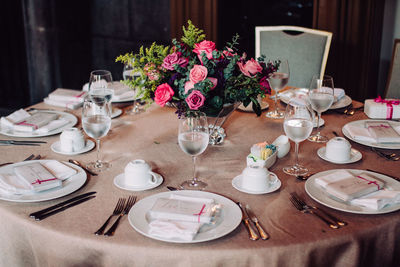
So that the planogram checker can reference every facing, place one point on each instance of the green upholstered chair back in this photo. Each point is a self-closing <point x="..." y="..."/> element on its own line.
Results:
<point x="306" y="50"/>
<point x="393" y="82"/>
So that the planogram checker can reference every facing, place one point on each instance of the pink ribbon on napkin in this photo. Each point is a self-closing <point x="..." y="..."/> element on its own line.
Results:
<point x="379" y="126"/>
<point x="369" y="181"/>
<point x="200" y="212"/>
<point x="38" y="181"/>
<point x="28" y="124"/>
<point x="73" y="102"/>
<point x="389" y="104"/>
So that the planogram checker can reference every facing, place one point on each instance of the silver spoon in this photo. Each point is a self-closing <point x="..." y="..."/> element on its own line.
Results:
<point x="304" y="177"/>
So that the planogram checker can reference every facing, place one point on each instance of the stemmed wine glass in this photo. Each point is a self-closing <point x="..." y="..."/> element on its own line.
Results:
<point x="128" y="73"/>
<point x="193" y="140"/>
<point x="278" y="80"/>
<point x="96" y="121"/>
<point x="298" y="125"/>
<point x="321" y="96"/>
<point x="100" y="79"/>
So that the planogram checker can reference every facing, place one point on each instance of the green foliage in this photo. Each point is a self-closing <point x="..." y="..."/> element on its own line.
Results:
<point x="192" y="35"/>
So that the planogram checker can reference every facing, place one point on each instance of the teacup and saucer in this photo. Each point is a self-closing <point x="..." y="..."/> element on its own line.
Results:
<point x="72" y="142"/>
<point x="338" y="150"/>
<point x="256" y="180"/>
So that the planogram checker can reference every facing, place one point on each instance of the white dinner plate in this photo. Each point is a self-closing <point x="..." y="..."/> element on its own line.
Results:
<point x="318" y="193"/>
<point x="237" y="184"/>
<point x="68" y="116"/>
<point x="249" y="108"/>
<point x="69" y="185"/>
<point x="355" y="156"/>
<point x="120" y="183"/>
<point x="116" y="112"/>
<point x="290" y="93"/>
<point x="229" y="219"/>
<point x="89" y="145"/>
<point x="361" y="123"/>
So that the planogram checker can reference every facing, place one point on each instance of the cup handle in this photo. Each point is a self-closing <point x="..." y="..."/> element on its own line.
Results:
<point x="275" y="178"/>
<point x="153" y="179"/>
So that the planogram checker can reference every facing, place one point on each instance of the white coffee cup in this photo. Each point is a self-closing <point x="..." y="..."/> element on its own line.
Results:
<point x="72" y="140"/>
<point x="338" y="149"/>
<point x="138" y="173"/>
<point x="282" y="145"/>
<point x="256" y="178"/>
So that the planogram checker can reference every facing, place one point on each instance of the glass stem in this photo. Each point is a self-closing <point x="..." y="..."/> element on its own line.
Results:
<point x="276" y="101"/>
<point x="194" y="169"/>
<point x="318" y="119"/>
<point x="98" y="161"/>
<point x="296" y="151"/>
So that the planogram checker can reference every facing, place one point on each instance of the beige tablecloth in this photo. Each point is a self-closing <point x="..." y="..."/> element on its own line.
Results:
<point x="297" y="239"/>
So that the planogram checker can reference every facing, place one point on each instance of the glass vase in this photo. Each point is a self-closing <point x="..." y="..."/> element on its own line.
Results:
<point x="217" y="132"/>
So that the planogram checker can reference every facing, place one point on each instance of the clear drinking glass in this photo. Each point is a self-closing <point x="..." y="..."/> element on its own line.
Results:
<point x="100" y="79"/>
<point x="298" y="125"/>
<point x="96" y="121"/>
<point x="278" y="80"/>
<point x="193" y="140"/>
<point x="321" y="96"/>
<point x="129" y="74"/>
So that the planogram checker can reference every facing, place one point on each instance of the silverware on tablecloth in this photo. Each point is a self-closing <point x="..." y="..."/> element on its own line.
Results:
<point x="261" y="231"/>
<point x="171" y="188"/>
<point x="395" y="178"/>
<point x="299" y="207"/>
<point x="28" y="158"/>
<point x="304" y="205"/>
<point x="391" y="156"/>
<point x="246" y="220"/>
<point x="83" y="167"/>
<point x="20" y="143"/>
<point x="43" y="211"/>
<point x="304" y="177"/>
<point x="80" y="201"/>
<point x="335" y="133"/>
<point x="128" y="206"/>
<point x="117" y="210"/>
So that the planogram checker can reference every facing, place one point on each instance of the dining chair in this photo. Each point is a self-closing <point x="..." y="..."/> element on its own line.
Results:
<point x="393" y="82"/>
<point x="306" y="50"/>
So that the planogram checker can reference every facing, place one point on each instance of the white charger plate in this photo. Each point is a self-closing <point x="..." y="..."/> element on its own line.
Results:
<point x="69" y="185"/>
<point x="318" y="194"/>
<point x="230" y="217"/>
<point x="237" y="181"/>
<point x="116" y="112"/>
<point x="355" y="156"/>
<point x="119" y="182"/>
<point x="89" y="145"/>
<point x="361" y="123"/>
<point x="68" y="116"/>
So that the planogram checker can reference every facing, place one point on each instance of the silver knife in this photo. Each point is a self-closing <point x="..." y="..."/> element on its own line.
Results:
<point x="246" y="220"/>
<point x="263" y="234"/>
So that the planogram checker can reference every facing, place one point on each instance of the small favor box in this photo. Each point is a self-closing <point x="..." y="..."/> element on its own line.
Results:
<point x="386" y="109"/>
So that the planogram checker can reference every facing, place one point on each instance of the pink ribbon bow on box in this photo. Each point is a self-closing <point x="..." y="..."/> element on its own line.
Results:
<point x="389" y="104"/>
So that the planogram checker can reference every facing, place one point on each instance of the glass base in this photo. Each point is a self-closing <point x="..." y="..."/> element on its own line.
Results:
<point x="134" y="110"/>
<point x="98" y="166"/>
<point x="295" y="170"/>
<point x="275" y="114"/>
<point x="318" y="138"/>
<point x="193" y="185"/>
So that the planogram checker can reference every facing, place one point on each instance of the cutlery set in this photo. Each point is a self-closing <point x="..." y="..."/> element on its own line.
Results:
<point x="391" y="156"/>
<point x="21" y="143"/>
<point x="327" y="218"/>
<point x="249" y="218"/>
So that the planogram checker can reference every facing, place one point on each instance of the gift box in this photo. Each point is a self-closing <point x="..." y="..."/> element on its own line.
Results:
<point x="379" y="108"/>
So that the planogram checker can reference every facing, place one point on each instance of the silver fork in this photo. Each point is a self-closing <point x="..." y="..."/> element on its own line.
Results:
<point x="128" y="206"/>
<point x="392" y="156"/>
<point x="299" y="207"/>
<point x="117" y="210"/>
<point x="304" y="204"/>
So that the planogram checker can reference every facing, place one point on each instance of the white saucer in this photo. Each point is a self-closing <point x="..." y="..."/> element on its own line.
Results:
<point x="237" y="181"/>
<point x="56" y="148"/>
<point x="119" y="182"/>
<point x="321" y="122"/>
<point x="355" y="156"/>
<point x="116" y="112"/>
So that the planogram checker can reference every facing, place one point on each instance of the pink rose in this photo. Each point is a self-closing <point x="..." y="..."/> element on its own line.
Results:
<point x="198" y="73"/>
<point x="250" y="68"/>
<point x="214" y="81"/>
<point x="264" y="84"/>
<point x="195" y="100"/>
<point x="163" y="94"/>
<point x="174" y="58"/>
<point x="188" y="85"/>
<point x="205" y="46"/>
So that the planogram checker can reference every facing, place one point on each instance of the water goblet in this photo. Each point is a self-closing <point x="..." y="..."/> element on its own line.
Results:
<point x="298" y="125"/>
<point x="96" y="121"/>
<point x="278" y="80"/>
<point x="321" y="96"/>
<point x="130" y="75"/>
<point x="193" y="140"/>
<point x="99" y="79"/>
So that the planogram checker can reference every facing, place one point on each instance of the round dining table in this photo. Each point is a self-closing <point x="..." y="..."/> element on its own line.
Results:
<point x="296" y="238"/>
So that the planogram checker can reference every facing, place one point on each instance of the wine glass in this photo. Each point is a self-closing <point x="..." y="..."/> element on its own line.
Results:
<point x="278" y="80"/>
<point x="321" y="96"/>
<point x="298" y="125"/>
<point x="193" y="140"/>
<point x="96" y="121"/>
<point x="100" y="79"/>
<point x="128" y="73"/>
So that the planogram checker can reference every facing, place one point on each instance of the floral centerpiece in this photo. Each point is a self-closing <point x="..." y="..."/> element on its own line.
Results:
<point x="194" y="75"/>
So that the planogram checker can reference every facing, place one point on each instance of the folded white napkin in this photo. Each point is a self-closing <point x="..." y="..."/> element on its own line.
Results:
<point x="67" y="95"/>
<point x="34" y="122"/>
<point x="96" y="84"/>
<point x="345" y="186"/>
<point x="378" y="200"/>
<point x="338" y="93"/>
<point x="14" y="117"/>
<point x="35" y="177"/>
<point x="362" y="133"/>
<point x="382" y="132"/>
<point x="52" y="126"/>
<point x="185" y="231"/>
<point x="121" y="91"/>
<point x="65" y="104"/>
